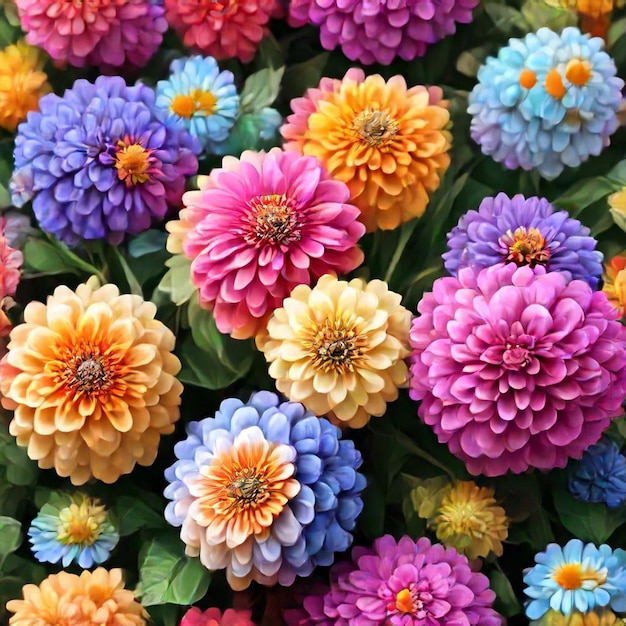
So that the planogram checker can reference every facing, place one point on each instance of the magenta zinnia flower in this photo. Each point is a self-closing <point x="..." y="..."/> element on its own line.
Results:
<point x="408" y="583"/>
<point x="258" y="227"/>
<point x="516" y="368"/>
<point x="106" y="34"/>
<point x="379" y="30"/>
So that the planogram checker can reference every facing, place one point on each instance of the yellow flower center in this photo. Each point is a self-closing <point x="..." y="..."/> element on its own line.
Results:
<point x="526" y="247"/>
<point x="334" y="345"/>
<point x="198" y="101"/>
<point x="578" y="72"/>
<point x="571" y="576"/>
<point x="271" y="219"/>
<point x="80" y="524"/>
<point x="375" y="127"/>
<point x="88" y="372"/>
<point x="406" y="602"/>
<point x="132" y="163"/>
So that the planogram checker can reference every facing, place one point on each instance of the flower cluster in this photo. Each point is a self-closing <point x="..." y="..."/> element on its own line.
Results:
<point x="265" y="490"/>
<point x="546" y="102"/>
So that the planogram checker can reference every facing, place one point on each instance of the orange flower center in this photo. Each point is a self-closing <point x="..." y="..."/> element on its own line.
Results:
<point x="526" y="247"/>
<point x="527" y="79"/>
<point x="375" y="127"/>
<point x="198" y="101"/>
<point x="571" y="576"/>
<point x="88" y="372"/>
<point x="554" y="84"/>
<point x="133" y="163"/>
<point x="80" y="524"/>
<point x="578" y="72"/>
<point x="334" y="346"/>
<point x="271" y="219"/>
<point x="404" y="602"/>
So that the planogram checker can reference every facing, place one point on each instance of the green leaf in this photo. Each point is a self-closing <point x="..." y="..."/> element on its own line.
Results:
<point x="300" y="76"/>
<point x="177" y="280"/>
<point x="470" y="61"/>
<point x="270" y="53"/>
<point x="10" y="537"/>
<point x="166" y="575"/>
<point x="260" y="90"/>
<point x="535" y="531"/>
<point x="372" y="519"/>
<point x="132" y="514"/>
<point x="506" y="601"/>
<point x="146" y="243"/>
<point x="165" y="614"/>
<point x="21" y="471"/>
<point x="44" y="257"/>
<point x="506" y="18"/>
<point x="588" y="521"/>
<point x="116" y="258"/>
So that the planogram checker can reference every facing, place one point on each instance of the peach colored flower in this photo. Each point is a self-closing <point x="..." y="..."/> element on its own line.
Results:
<point x="615" y="282"/>
<point x="91" y="378"/>
<point x="339" y="348"/>
<point x="10" y="264"/>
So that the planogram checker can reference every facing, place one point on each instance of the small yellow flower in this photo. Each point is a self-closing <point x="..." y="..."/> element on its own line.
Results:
<point x="469" y="519"/>
<point x="22" y="83"/>
<point x="615" y="282"/>
<point x="339" y="348"/>
<point x="599" y="617"/>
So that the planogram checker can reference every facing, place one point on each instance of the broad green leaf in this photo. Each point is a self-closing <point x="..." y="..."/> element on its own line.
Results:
<point x="470" y="61"/>
<point x="167" y="575"/>
<point x="619" y="218"/>
<point x="270" y="53"/>
<point x="506" y="601"/>
<point x="116" y="258"/>
<point x="301" y="76"/>
<point x="535" y="531"/>
<point x="177" y="280"/>
<point x="132" y="514"/>
<point x="146" y="243"/>
<point x="21" y="471"/>
<point x="5" y="198"/>
<point x="10" y="537"/>
<point x="506" y="18"/>
<point x="43" y="257"/>
<point x="260" y="90"/>
<point x="165" y="614"/>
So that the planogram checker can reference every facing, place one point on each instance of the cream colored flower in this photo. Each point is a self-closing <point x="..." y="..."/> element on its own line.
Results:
<point x="338" y="348"/>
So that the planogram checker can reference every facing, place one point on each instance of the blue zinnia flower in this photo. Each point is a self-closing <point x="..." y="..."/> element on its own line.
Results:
<point x="600" y="476"/>
<point x="100" y="162"/>
<point x="205" y="98"/>
<point x="72" y="528"/>
<point x="547" y="101"/>
<point x="265" y="490"/>
<point x="577" y="577"/>
<point x="525" y="231"/>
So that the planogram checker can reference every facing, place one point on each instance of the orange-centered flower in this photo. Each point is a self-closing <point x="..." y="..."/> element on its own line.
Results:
<point x="91" y="378"/>
<point x="133" y="163"/>
<point x="388" y="143"/>
<point x="572" y="576"/>
<point x="615" y="282"/>
<point x="526" y="247"/>
<point x="198" y="101"/>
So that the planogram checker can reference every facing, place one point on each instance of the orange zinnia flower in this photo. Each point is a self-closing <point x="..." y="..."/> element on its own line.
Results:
<point x="91" y="378"/>
<point x="388" y="143"/>
<point x="615" y="282"/>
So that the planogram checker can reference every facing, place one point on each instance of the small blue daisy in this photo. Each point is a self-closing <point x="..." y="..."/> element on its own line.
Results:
<point x="205" y="98"/>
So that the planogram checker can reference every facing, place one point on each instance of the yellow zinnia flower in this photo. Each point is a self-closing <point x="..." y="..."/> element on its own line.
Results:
<point x="97" y="597"/>
<point x="469" y="519"/>
<point x="22" y="83"/>
<point x="338" y="348"/>
<point x="388" y="143"/>
<point x="91" y="378"/>
<point x="615" y="282"/>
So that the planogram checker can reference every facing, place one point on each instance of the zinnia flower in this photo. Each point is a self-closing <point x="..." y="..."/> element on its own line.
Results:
<point x="524" y="231"/>
<point x="22" y="83"/>
<point x="72" y="528"/>
<point x="225" y="29"/>
<point x="10" y="264"/>
<point x="97" y="597"/>
<point x="339" y="348"/>
<point x="388" y="143"/>
<point x="378" y="31"/>
<point x="599" y="617"/>
<point x="264" y="490"/>
<point x="205" y="98"/>
<point x="516" y="367"/>
<point x="259" y="226"/>
<point x="469" y="520"/>
<point x="91" y="378"/>
<point x="600" y="476"/>
<point x="102" y="161"/>
<point x="614" y="282"/>
<point x="105" y="34"/>
<point x="577" y="577"/>
<point x="408" y="583"/>
<point x="547" y="102"/>
<point x="213" y="617"/>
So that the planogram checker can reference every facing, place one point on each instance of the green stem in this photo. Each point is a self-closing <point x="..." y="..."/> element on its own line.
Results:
<point x="417" y="451"/>
<point x="406" y="231"/>
<point x="77" y="261"/>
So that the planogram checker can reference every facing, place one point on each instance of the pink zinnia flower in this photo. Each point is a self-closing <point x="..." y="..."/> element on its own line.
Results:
<point x="258" y="227"/>
<point x="10" y="263"/>
<point x="104" y="33"/>
<point x="516" y="368"/>
<point x="408" y="583"/>
<point x="213" y="617"/>
<point x="376" y="31"/>
<point x="223" y="29"/>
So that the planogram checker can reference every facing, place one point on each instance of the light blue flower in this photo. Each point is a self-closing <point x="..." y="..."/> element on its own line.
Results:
<point x="205" y="98"/>
<point x="577" y="577"/>
<point x="530" y="109"/>
<point x="72" y="529"/>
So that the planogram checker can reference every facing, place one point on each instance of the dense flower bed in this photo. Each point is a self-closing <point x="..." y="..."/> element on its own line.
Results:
<point x="312" y="312"/>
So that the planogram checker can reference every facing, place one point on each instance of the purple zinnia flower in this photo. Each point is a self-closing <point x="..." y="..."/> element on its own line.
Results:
<point x="404" y="583"/>
<point x="102" y="161"/>
<point x="524" y="231"/>
<point x="296" y="469"/>
<point x="376" y="31"/>
<point x="516" y="367"/>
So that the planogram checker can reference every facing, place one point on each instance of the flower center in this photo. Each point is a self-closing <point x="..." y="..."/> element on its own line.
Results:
<point x="375" y="127"/>
<point x="133" y="163"/>
<point x="88" y="373"/>
<point x="515" y="356"/>
<point x="554" y="84"/>
<point x="571" y="576"/>
<point x="272" y="219"/>
<point x="198" y="101"/>
<point x="334" y="346"/>
<point x="407" y="602"/>
<point x="527" y="79"/>
<point x="525" y="247"/>
<point x="80" y="524"/>
<point x="247" y="488"/>
<point x="578" y="72"/>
